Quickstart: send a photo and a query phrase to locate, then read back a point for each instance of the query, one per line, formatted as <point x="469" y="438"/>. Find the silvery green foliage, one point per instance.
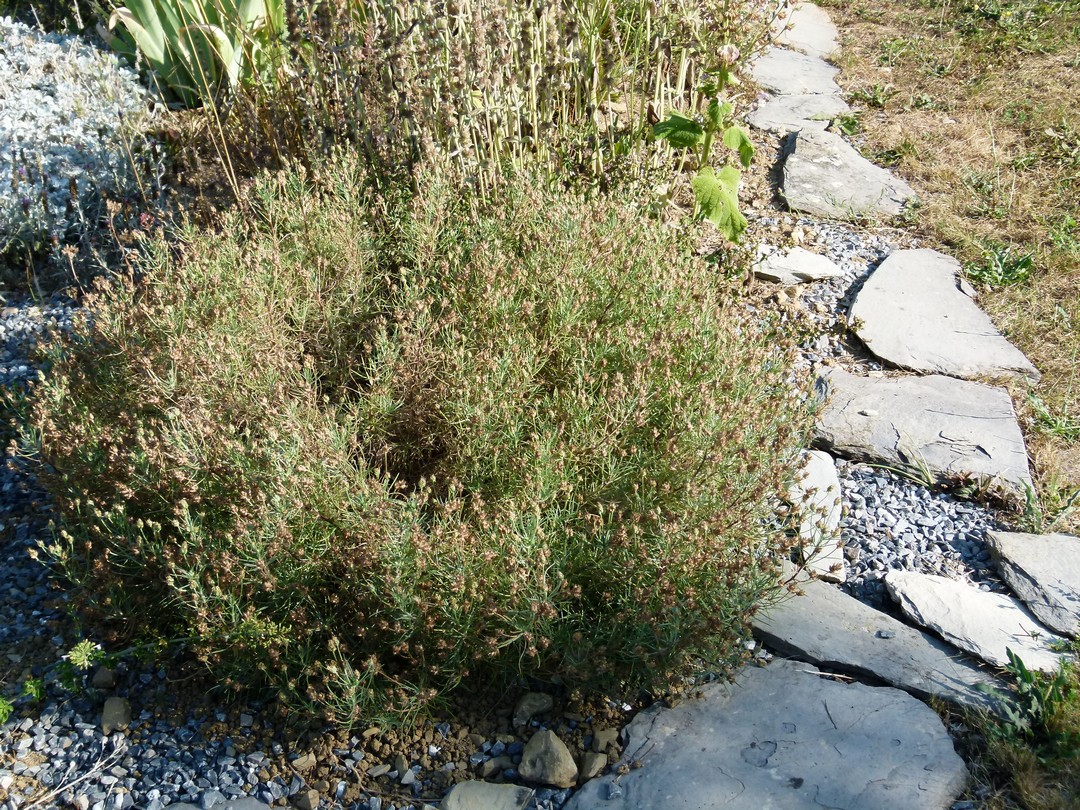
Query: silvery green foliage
<point x="71" y="123"/>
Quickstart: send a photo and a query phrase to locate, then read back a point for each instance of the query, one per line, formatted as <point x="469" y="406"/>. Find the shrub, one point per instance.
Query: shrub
<point x="71" y="124"/>
<point x="358" y="448"/>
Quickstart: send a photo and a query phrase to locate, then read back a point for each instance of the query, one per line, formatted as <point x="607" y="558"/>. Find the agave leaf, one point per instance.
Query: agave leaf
<point x="214" y="52"/>
<point x="718" y="198"/>
<point x="148" y="40"/>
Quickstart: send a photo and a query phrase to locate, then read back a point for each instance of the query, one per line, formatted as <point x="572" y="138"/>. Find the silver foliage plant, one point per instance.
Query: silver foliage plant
<point x="72" y="120"/>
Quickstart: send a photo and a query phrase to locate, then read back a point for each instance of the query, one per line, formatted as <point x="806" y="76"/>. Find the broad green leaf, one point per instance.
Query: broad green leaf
<point x="718" y="198"/>
<point x="679" y="131"/>
<point x="737" y="138"/>
<point x="717" y="113"/>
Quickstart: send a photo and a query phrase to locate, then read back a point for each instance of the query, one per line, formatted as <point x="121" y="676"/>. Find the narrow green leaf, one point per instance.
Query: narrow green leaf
<point x="679" y="131"/>
<point x="738" y="139"/>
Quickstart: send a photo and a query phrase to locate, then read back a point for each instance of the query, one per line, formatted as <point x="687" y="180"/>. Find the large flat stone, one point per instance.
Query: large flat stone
<point x="826" y="177"/>
<point x="785" y="114"/>
<point x="912" y="313"/>
<point x="789" y="73"/>
<point x="808" y="29"/>
<point x="796" y="266"/>
<point x="815" y="495"/>
<point x="951" y="428"/>
<point x="783" y="737"/>
<point x="831" y="629"/>
<point x="981" y="623"/>
<point x="1044" y="571"/>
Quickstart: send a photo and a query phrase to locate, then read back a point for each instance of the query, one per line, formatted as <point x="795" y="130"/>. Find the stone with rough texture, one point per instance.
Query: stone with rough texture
<point x="826" y="177"/>
<point x="307" y="800"/>
<point x="1044" y="571"/>
<point x="794" y="74"/>
<point x="981" y="623"/>
<point x="784" y="737"/>
<point x="547" y="760"/>
<point x="808" y="29"/>
<point x="531" y="704"/>
<point x="815" y="494"/>
<point x="796" y="266"/>
<point x="485" y="796"/>
<point x="246" y="803"/>
<point x="786" y="114"/>
<point x="828" y="628"/>
<point x="946" y="427"/>
<point x="912" y="313"/>
<point x="116" y="715"/>
<point x="592" y="765"/>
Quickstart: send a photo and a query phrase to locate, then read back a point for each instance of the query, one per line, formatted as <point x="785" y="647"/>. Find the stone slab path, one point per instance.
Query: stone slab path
<point x="984" y="624"/>
<point x="791" y="73"/>
<point x="950" y="428"/>
<point x="1044" y="571"/>
<point x="782" y="736"/>
<point x="826" y="177"/>
<point x="826" y="626"/>
<point x="914" y="313"/>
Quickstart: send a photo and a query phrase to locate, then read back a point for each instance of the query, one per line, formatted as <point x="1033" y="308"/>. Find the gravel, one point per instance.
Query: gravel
<point x="70" y="115"/>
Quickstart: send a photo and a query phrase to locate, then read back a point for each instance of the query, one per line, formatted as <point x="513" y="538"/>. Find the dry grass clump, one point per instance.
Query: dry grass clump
<point x="975" y="103"/>
<point x="359" y="447"/>
<point x="572" y="86"/>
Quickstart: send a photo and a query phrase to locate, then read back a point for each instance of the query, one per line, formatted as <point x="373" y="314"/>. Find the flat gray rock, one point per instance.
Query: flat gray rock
<point x="809" y="30"/>
<point x="831" y="629"/>
<point x="780" y="737"/>
<point x="1044" y="571"/>
<point x="912" y="313"/>
<point x="978" y="622"/>
<point x="796" y="266"/>
<point x="246" y="803"/>
<point x="791" y="74"/>
<point x="826" y="177"/>
<point x="785" y="114"/>
<point x="485" y="796"/>
<point x="815" y="495"/>
<point x="950" y="428"/>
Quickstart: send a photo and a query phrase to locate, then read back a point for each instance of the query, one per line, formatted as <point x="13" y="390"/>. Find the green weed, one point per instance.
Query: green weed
<point x="1002" y="266"/>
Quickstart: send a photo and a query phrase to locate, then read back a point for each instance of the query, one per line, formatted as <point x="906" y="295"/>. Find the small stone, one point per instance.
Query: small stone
<point x="547" y="760"/>
<point x="116" y="716"/>
<point x="796" y="266"/>
<point x="531" y="704"/>
<point x="379" y="770"/>
<point x="307" y="800"/>
<point x="103" y="678"/>
<point x="305" y="762"/>
<point x="592" y="765"/>
<point x="604" y="739"/>
<point x="485" y="796"/>
<point x="401" y="764"/>
<point x="495" y="765"/>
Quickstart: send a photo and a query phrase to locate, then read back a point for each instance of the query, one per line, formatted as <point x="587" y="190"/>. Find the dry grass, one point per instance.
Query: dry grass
<point x="975" y="104"/>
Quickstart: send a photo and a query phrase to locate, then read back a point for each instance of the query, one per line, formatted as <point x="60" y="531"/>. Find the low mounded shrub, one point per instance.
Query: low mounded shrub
<point x="71" y="137"/>
<point x="359" y="449"/>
